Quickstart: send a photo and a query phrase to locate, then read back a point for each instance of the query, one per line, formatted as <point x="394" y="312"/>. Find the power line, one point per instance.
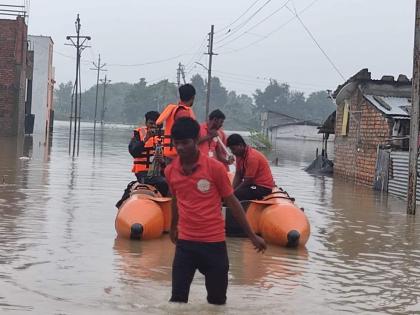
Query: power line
<point x="149" y="62"/>
<point x="159" y="60"/>
<point x="319" y="46"/>
<point x="70" y="57"/>
<point x="265" y="79"/>
<point x="270" y="33"/>
<point x="235" y="30"/>
<point x="238" y="18"/>
<point x="255" y="25"/>
<point x="196" y="54"/>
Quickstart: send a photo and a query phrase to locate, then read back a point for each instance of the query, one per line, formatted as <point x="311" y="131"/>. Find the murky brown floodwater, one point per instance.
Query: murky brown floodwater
<point x="59" y="255"/>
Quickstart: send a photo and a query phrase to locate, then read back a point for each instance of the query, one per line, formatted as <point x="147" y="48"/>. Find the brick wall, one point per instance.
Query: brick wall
<point x="13" y="48"/>
<point x="355" y="154"/>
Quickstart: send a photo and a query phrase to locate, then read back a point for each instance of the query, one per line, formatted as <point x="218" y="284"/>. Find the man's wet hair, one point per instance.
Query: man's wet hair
<point x="185" y="128"/>
<point x="186" y="92"/>
<point x="217" y="114"/>
<point x="152" y="115"/>
<point x="235" y="139"/>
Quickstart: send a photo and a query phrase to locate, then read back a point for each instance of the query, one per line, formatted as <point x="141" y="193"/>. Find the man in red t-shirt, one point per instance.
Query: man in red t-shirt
<point x="198" y="184"/>
<point x="211" y="134"/>
<point x="253" y="178"/>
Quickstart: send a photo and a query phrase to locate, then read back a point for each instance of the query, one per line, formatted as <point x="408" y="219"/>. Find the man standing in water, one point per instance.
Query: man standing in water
<point x="198" y="183"/>
<point x="253" y="178"/>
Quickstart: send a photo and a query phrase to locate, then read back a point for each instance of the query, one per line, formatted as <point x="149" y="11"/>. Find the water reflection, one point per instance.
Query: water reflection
<point x="144" y="261"/>
<point x="370" y="247"/>
<point x="278" y="266"/>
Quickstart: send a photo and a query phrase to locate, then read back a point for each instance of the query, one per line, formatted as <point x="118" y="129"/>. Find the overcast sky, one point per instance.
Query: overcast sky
<point x="355" y="34"/>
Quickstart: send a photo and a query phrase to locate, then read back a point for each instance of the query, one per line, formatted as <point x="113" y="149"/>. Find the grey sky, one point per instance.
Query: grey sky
<point x="377" y="34"/>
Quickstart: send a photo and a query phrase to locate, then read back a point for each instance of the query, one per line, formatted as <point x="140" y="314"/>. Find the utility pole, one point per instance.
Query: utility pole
<point x="79" y="45"/>
<point x="183" y="73"/>
<point x="414" y="120"/>
<point x="97" y="67"/>
<point x="178" y="75"/>
<point x="180" y="72"/>
<point x="210" y="53"/>
<point x="105" y="82"/>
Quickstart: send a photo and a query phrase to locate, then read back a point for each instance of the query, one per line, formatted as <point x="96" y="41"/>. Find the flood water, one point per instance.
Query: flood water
<point x="59" y="253"/>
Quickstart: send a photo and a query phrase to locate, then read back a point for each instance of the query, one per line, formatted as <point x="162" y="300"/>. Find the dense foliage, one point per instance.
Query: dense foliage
<point x="127" y="103"/>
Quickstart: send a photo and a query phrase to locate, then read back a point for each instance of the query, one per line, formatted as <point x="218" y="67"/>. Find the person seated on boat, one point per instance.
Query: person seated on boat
<point x="171" y="113"/>
<point x="148" y="161"/>
<point x="212" y="140"/>
<point x="253" y="178"/>
<point x="198" y="185"/>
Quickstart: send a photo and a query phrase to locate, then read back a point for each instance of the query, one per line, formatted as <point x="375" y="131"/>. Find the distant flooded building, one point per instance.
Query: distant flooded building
<point x="276" y="125"/>
<point x="15" y="74"/>
<point x="372" y="115"/>
<point x="43" y="83"/>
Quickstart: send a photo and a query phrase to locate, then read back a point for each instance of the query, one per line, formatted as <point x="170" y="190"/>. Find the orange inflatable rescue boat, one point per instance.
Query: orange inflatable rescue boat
<point x="144" y="215"/>
<point x="276" y="218"/>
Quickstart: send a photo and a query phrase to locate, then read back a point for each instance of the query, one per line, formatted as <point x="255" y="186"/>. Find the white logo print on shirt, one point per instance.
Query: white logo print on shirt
<point x="203" y="185"/>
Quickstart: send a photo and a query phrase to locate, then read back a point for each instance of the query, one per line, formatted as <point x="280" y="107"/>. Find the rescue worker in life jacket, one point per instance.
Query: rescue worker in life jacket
<point x="174" y="111"/>
<point x="142" y="149"/>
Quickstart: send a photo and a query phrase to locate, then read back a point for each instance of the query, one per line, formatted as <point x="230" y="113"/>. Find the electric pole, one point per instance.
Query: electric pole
<point x="414" y="120"/>
<point x="78" y="42"/>
<point x="183" y="73"/>
<point x="178" y="75"/>
<point x="105" y="81"/>
<point x="97" y="67"/>
<point x="210" y="53"/>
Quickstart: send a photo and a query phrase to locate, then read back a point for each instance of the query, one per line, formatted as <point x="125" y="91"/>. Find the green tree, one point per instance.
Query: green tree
<point x="142" y="98"/>
<point x="320" y="105"/>
<point x="200" y="97"/>
<point x="127" y="103"/>
<point x="275" y="97"/>
<point x="62" y="100"/>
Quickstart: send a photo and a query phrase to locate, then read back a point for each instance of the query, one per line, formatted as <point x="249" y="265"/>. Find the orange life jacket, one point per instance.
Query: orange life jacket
<point x="168" y="116"/>
<point x="143" y="162"/>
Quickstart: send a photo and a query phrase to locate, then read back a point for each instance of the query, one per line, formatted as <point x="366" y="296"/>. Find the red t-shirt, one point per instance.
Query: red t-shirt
<point x="255" y="165"/>
<point x="199" y="198"/>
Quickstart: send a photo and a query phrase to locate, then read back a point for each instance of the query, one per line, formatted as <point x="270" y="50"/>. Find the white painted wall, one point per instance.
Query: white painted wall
<point x="43" y="82"/>
<point x="301" y="132"/>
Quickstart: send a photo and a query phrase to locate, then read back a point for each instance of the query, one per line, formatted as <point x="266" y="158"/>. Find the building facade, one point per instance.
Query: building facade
<point x="14" y="71"/>
<point x="280" y="126"/>
<point x="371" y="115"/>
<point x="43" y="83"/>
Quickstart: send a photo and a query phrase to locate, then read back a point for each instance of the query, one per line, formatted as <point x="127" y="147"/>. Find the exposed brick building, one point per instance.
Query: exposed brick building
<point x="13" y="75"/>
<point x="370" y="114"/>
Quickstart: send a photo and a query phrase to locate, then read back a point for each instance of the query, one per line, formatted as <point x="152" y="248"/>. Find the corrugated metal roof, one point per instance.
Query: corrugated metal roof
<point x="391" y="105"/>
